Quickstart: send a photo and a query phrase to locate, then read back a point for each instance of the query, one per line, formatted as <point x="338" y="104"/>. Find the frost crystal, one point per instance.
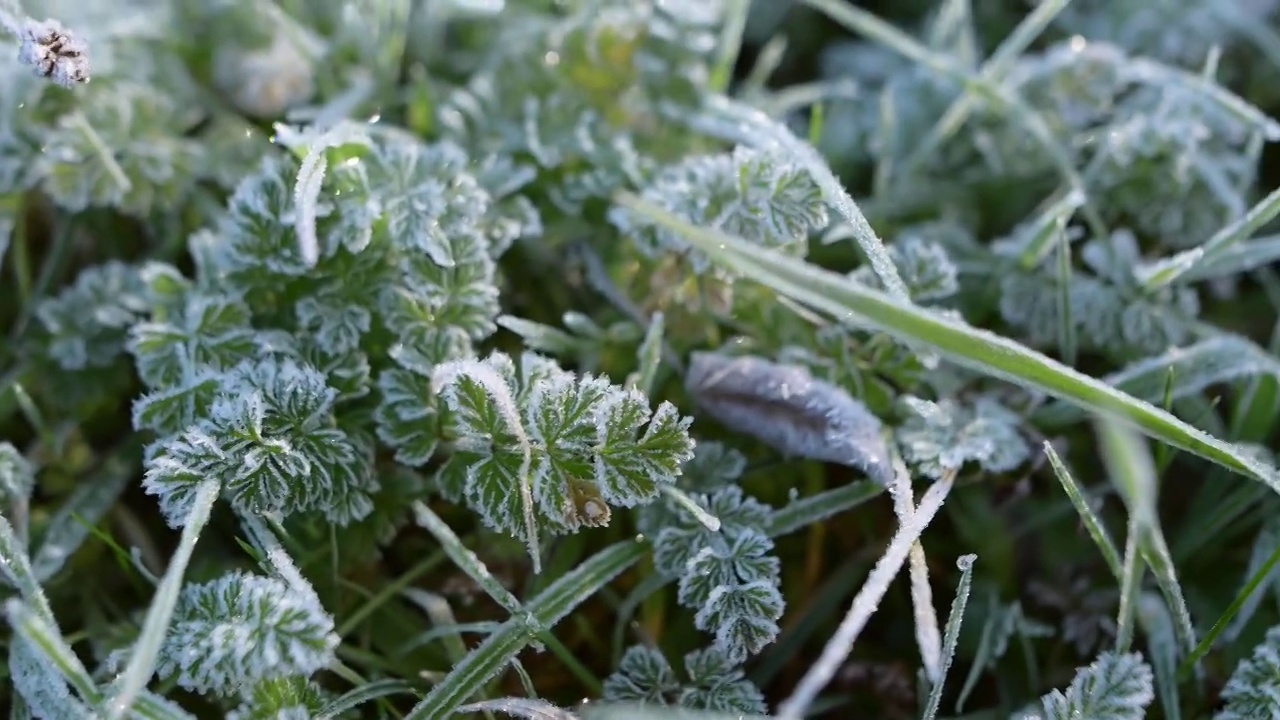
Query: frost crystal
<point x="786" y="407"/>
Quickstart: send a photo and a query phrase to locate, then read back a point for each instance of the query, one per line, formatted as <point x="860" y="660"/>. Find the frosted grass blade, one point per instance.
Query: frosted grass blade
<point x="971" y="347"/>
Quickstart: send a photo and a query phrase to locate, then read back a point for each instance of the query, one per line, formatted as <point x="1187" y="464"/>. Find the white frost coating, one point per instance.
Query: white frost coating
<point x="493" y="383"/>
<point x="868" y="598"/>
<point x="786" y="407"/>
<point x="305" y="195"/>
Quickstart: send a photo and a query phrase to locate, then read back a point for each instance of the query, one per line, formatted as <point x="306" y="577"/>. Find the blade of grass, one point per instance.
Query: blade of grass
<point x="1131" y="467"/>
<point x="1092" y="523"/>
<point x="971" y="347"/>
<point x="993" y="71"/>
<point x="1162" y="648"/>
<point x="868" y="598"/>
<point x="951" y="636"/>
<point x="862" y="22"/>
<point x="142" y="662"/>
<point x="1169" y="270"/>
<point x="1206" y="643"/>
<point x="539" y="614"/>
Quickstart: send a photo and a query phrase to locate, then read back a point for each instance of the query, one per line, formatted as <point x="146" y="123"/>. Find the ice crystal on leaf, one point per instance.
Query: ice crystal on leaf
<point x="573" y="446"/>
<point x="712" y="682"/>
<point x="939" y="438"/>
<point x="234" y="633"/>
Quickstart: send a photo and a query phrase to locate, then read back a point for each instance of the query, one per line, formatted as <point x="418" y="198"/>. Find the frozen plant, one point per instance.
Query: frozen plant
<point x="712" y="683"/>
<point x="537" y="448"/>
<point x="1252" y="690"/>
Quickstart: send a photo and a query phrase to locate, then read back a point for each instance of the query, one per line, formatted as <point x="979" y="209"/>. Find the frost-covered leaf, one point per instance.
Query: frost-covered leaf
<point x="282" y="698"/>
<point x="256" y="236"/>
<point x="717" y="684"/>
<point x="241" y="630"/>
<point x="406" y="417"/>
<point x="925" y="266"/>
<point x="88" y="321"/>
<point x="729" y="577"/>
<point x="124" y="147"/>
<point x="759" y="197"/>
<point x="1114" y="687"/>
<point x="786" y="407"/>
<point x="1254" y="688"/>
<point x="41" y="685"/>
<point x="207" y="331"/>
<point x="643" y="676"/>
<point x="17" y="475"/>
<point x="939" y="438"/>
<point x="711" y="682"/>
<point x="269" y="437"/>
<point x="590" y="444"/>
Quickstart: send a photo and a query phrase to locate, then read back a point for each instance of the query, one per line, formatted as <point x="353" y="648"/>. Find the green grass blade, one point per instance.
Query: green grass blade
<point x="1206" y="643"/>
<point x="142" y="662"/>
<point x="541" y="613"/>
<point x="1092" y="523"/>
<point x="951" y="636"/>
<point x="971" y="347"/>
